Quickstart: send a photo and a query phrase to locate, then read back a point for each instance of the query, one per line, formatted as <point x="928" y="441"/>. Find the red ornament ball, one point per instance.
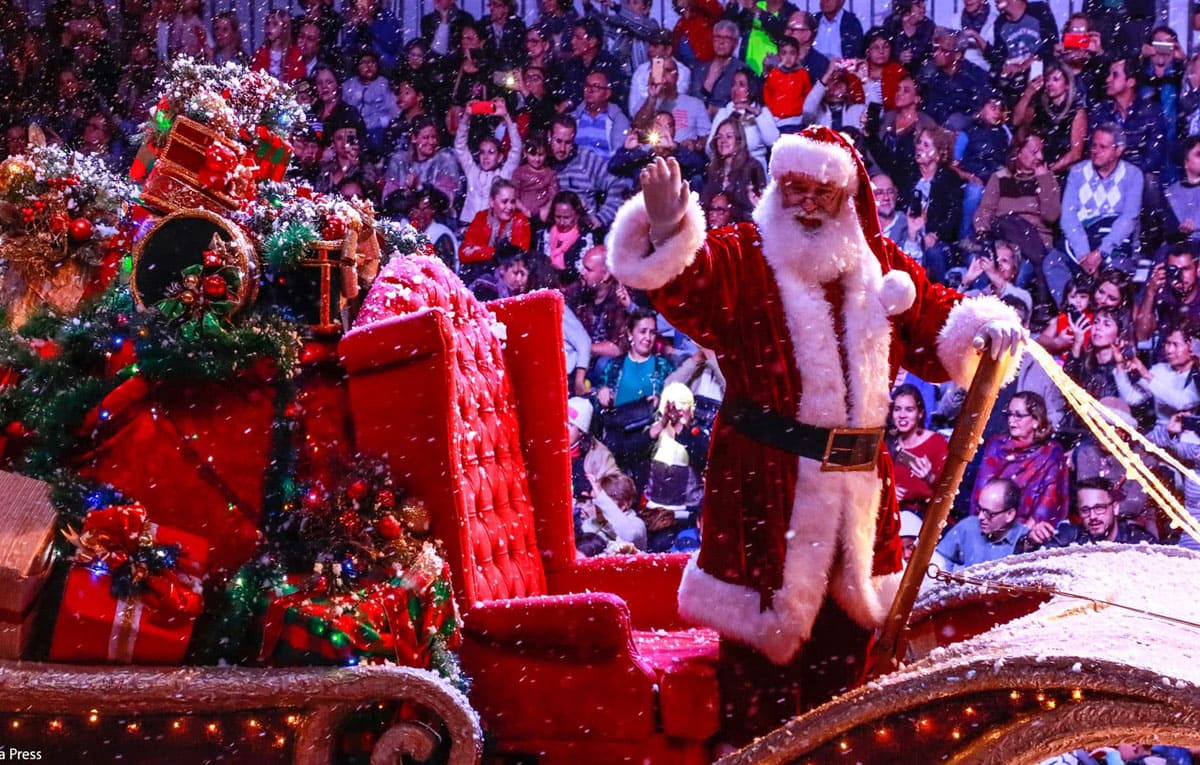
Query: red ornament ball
<point x="215" y="287"/>
<point x="212" y="259"/>
<point x="335" y="228"/>
<point x="388" y="527"/>
<point x="59" y="222"/>
<point x="16" y="429"/>
<point x="357" y="490"/>
<point x="81" y="230"/>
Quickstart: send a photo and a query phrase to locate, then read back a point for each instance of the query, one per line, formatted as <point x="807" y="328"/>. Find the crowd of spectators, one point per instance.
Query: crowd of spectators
<point x="1053" y="162"/>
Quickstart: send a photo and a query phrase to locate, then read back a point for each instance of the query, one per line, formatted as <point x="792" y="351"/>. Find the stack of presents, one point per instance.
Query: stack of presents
<point x="180" y="483"/>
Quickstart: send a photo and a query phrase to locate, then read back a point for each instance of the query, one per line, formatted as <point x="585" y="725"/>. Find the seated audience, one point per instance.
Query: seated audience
<point x="1096" y="505"/>
<point x="917" y="452"/>
<point x="992" y="533"/>
<point x="1027" y="455"/>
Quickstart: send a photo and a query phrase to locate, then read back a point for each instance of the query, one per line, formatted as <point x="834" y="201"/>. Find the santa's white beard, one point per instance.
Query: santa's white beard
<point x="815" y="255"/>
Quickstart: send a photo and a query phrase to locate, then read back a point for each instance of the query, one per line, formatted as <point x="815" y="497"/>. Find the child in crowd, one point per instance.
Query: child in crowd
<point x="981" y="150"/>
<point x="786" y="87"/>
<point x="1076" y="316"/>
<point x="673" y="491"/>
<point x="279" y="56"/>
<point x="537" y="183"/>
<point x="371" y="94"/>
<point x="610" y="514"/>
<point x="510" y="276"/>
<point x="482" y="173"/>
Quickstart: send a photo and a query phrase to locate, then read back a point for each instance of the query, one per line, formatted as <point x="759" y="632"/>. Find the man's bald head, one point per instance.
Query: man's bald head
<point x="594" y="268"/>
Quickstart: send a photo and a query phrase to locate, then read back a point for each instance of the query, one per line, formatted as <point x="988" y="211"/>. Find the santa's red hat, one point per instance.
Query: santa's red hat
<point x="826" y="155"/>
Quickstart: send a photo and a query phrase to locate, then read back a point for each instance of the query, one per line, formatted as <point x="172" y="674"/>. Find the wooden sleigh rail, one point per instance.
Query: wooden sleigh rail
<point x="317" y="701"/>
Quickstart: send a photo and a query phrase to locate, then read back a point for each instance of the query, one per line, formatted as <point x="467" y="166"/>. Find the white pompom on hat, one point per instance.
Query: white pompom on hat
<point x="579" y="413"/>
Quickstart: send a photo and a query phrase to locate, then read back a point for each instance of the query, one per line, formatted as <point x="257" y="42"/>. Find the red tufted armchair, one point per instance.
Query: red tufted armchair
<point x="579" y="661"/>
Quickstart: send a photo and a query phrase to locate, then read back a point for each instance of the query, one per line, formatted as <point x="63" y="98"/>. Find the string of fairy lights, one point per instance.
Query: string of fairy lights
<point x="1118" y="438"/>
<point x="274" y="730"/>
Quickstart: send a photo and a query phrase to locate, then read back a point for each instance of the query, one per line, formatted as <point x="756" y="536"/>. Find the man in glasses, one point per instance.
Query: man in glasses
<point x="993" y="533"/>
<point x="1096" y="503"/>
<point x="809" y="311"/>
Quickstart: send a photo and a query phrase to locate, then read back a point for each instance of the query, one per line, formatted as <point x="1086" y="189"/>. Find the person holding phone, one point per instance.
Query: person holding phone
<point x="1052" y="107"/>
<point x="919" y="453"/>
<point x="1171" y="382"/>
<point x="1163" y="62"/>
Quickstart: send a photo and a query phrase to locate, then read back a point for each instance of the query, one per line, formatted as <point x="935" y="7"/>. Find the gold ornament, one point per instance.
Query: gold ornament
<point x="15" y="171"/>
<point x="414" y="516"/>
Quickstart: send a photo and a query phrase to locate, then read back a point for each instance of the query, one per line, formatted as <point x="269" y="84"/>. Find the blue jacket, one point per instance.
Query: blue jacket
<point x="1145" y="131"/>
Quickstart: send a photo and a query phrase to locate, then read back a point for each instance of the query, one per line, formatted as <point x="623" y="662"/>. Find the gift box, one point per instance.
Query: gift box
<point x="196" y="455"/>
<point x="27" y="520"/>
<point x="271" y="154"/>
<point x="194" y="168"/>
<point x="399" y="620"/>
<point x="133" y="593"/>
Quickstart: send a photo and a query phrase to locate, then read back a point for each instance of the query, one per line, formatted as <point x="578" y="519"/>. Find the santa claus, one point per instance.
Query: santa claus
<point x="810" y="312"/>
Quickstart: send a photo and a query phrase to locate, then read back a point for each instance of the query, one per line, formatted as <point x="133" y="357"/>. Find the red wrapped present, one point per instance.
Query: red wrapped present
<point x="195" y="168"/>
<point x="399" y="620"/>
<point x="271" y="154"/>
<point x="26" y="532"/>
<point x="195" y="454"/>
<point x="134" y="592"/>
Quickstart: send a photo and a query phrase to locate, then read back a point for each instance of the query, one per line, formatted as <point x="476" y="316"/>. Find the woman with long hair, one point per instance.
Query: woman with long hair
<point x="732" y="169"/>
<point x="227" y="39"/>
<point x="428" y="161"/>
<point x="555" y="261"/>
<point x="500" y="222"/>
<point x="1103" y="360"/>
<point x="279" y="56"/>
<point x="758" y="124"/>
<point x="918" y="453"/>
<point x="1052" y="106"/>
<point x="1027" y="455"/>
<point x="328" y="111"/>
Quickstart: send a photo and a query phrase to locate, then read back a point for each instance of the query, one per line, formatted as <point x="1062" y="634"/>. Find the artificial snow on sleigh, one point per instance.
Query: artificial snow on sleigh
<point x="1076" y="648"/>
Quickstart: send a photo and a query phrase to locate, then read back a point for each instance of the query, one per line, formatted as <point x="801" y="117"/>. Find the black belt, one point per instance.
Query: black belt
<point x="837" y="449"/>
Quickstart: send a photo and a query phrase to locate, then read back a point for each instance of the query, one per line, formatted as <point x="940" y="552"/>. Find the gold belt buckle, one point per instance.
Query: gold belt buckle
<point x="858" y="457"/>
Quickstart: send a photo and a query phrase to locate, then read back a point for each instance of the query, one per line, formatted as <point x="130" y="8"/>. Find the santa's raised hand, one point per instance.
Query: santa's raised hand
<point x="666" y="196"/>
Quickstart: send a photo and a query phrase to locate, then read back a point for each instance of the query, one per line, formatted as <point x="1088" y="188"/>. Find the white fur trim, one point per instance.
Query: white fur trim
<point x="827" y="162"/>
<point x="632" y="260"/>
<point x="956" y="341"/>
<point x="830" y="511"/>
<point x="897" y="292"/>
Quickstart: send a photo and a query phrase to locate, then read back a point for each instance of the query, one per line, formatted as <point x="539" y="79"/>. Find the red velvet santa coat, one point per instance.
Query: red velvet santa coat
<point x="778" y="534"/>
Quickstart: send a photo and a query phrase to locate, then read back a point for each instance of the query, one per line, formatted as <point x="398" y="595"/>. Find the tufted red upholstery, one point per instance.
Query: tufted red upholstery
<point x="465" y="410"/>
<point x="598" y="673"/>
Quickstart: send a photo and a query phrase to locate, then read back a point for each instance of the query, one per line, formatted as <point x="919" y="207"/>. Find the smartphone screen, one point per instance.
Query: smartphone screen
<point x="1035" y="69"/>
<point x="656" y="69"/>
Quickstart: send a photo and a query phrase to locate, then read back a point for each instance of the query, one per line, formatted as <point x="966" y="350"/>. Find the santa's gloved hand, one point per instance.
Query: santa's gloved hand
<point x="665" y="194"/>
<point x="1001" y="337"/>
